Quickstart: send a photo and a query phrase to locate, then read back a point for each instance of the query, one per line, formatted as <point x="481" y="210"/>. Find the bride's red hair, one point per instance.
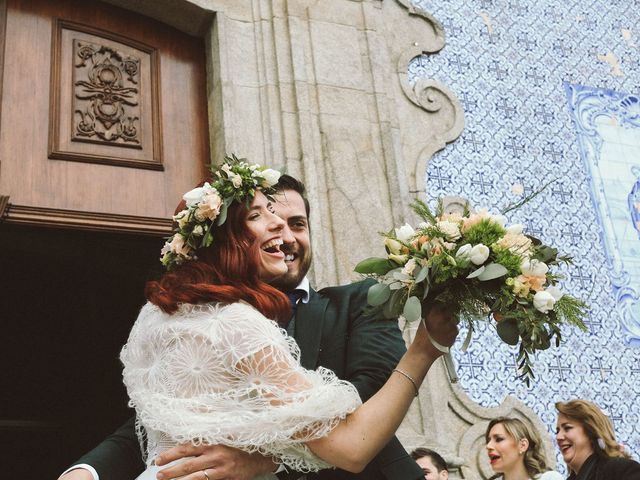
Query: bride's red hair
<point x="225" y="272"/>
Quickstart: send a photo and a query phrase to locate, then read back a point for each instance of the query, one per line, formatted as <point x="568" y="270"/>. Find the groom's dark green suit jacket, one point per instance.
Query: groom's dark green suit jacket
<point x="332" y="331"/>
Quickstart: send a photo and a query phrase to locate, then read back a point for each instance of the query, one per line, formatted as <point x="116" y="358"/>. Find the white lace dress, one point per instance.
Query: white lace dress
<point x="225" y="374"/>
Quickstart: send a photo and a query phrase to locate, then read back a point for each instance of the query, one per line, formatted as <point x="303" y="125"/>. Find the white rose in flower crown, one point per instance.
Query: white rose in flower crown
<point x="534" y="268"/>
<point x="543" y="301"/>
<point x="515" y="229"/>
<point x="192" y="197"/>
<point x="181" y="218"/>
<point x="450" y="229"/>
<point x="270" y="178"/>
<point x="479" y="254"/>
<point x="209" y="206"/>
<point x="405" y="232"/>
<point x="235" y="179"/>
<point x="198" y="231"/>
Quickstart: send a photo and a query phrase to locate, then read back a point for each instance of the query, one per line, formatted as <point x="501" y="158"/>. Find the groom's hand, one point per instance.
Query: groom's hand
<point x="219" y="461"/>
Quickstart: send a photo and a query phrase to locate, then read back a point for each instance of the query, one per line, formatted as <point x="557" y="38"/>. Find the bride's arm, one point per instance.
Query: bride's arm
<point x="355" y="440"/>
<point x="359" y="437"/>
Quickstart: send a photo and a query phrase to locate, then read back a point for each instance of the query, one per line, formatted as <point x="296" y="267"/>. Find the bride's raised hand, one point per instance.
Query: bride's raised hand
<point x="439" y="325"/>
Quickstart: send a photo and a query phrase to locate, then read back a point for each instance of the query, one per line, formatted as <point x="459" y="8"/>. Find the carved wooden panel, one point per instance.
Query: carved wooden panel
<point x="84" y="89"/>
<point x="104" y="92"/>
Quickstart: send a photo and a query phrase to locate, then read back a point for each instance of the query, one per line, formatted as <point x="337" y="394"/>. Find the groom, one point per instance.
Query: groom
<point x="331" y="330"/>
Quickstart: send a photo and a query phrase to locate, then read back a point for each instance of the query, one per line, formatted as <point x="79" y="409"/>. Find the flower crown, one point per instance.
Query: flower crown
<point x="233" y="180"/>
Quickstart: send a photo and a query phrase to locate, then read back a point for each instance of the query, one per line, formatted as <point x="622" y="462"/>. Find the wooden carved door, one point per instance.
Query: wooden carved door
<point x="103" y="125"/>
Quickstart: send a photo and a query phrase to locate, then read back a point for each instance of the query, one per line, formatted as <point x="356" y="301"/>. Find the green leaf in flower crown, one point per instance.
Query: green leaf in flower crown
<point x="422" y="274"/>
<point x="378" y="294"/>
<point x="508" y="331"/>
<point x="412" y="310"/>
<point x="477" y="272"/>
<point x="222" y="216"/>
<point x="374" y="265"/>
<point x="393" y="308"/>
<point x="491" y="271"/>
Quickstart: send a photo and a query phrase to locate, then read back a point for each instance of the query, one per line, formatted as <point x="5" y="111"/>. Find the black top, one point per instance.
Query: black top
<point x="603" y="468"/>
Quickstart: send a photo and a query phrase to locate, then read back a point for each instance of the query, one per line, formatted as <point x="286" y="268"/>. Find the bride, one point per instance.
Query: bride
<point x="207" y="362"/>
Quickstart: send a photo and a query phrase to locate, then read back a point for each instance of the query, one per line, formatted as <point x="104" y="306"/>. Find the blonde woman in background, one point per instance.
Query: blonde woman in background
<point x="515" y="451"/>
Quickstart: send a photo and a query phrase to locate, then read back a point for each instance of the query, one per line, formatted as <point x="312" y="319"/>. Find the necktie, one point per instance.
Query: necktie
<point x="294" y="298"/>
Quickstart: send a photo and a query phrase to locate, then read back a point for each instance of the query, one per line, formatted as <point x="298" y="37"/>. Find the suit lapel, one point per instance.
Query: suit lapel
<point x="308" y="330"/>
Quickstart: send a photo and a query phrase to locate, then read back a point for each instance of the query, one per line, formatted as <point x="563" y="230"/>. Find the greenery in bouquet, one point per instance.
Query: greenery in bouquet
<point x="479" y="268"/>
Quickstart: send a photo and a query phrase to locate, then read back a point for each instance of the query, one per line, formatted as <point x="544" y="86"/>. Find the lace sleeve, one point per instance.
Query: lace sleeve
<point x="227" y="375"/>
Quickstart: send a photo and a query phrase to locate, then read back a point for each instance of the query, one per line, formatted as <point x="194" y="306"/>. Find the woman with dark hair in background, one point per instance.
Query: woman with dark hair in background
<point x="515" y="451"/>
<point x="588" y="444"/>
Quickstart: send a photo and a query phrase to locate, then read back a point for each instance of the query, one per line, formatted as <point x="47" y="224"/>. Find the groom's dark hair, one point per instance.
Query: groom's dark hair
<point x="287" y="182"/>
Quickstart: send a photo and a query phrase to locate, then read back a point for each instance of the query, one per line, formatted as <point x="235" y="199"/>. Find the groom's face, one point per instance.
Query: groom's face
<point x="290" y="207"/>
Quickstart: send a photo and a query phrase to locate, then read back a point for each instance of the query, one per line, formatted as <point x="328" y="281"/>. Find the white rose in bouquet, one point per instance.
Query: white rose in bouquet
<point x="450" y="229"/>
<point x="515" y="229"/>
<point x="555" y="292"/>
<point x="543" y="301"/>
<point x="534" y="268"/>
<point x="463" y="251"/>
<point x="405" y="232"/>
<point x="479" y="254"/>
<point x="393" y="245"/>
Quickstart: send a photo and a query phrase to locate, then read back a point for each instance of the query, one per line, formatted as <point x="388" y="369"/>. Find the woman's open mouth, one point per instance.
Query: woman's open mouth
<point x="272" y="247"/>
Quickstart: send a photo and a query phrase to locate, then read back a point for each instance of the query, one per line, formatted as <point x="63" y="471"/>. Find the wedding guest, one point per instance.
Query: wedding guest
<point x="588" y="444"/>
<point x="433" y="465"/>
<point x="515" y="451"/>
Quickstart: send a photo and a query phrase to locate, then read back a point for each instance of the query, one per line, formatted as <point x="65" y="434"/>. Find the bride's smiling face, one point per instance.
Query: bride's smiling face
<point x="268" y="230"/>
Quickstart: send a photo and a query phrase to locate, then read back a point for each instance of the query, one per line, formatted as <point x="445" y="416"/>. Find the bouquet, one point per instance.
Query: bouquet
<point x="479" y="268"/>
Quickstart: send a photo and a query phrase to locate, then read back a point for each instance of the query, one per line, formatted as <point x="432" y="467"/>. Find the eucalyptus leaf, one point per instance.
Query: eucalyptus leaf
<point x="412" y="310"/>
<point x="491" y="271"/>
<point x="393" y="308"/>
<point x="426" y="291"/>
<point x="477" y="272"/>
<point x="374" y="265"/>
<point x="422" y="274"/>
<point x="508" y="331"/>
<point x="378" y="294"/>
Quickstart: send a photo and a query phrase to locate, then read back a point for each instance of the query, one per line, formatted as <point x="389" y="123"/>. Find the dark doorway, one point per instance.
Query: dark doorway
<point x="67" y="301"/>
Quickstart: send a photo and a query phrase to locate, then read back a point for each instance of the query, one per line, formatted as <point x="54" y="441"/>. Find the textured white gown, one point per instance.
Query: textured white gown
<point x="225" y="374"/>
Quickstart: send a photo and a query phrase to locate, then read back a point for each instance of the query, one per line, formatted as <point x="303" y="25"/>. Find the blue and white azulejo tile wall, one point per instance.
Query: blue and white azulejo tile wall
<point x="523" y="70"/>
